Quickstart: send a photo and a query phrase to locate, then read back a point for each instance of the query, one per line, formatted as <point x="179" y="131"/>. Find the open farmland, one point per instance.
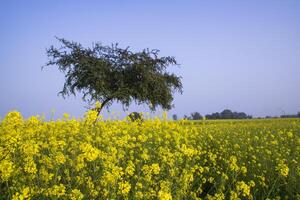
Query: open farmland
<point x="154" y="159"/>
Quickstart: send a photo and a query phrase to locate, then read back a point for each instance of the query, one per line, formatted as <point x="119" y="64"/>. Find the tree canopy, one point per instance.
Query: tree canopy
<point x="196" y="116"/>
<point x="193" y="116"/>
<point x="110" y="73"/>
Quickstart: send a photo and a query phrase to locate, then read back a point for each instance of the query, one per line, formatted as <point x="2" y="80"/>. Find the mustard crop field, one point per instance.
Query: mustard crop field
<point x="153" y="159"/>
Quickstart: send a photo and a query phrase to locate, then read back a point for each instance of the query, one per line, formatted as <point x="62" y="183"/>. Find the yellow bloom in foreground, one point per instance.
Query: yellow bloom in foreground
<point x="290" y="134"/>
<point x="164" y="195"/>
<point x="26" y="192"/>
<point x="217" y="196"/>
<point x="155" y="168"/>
<point x="130" y="168"/>
<point x="6" y="169"/>
<point x="57" y="190"/>
<point x="76" y="195"/>
<point x="244" y="169"/>
<point x="155" y="159"/>
<point x="234" y="196"/>
<point x="45" y="175"/>
<point x="124" y="188"/>
<point x="91" y="116"/>
<point x="283" y="169"/>
<point x="30" y="166"/>
<point x="89" y="152"/>
<point x="233" y="166"/>
<point x="60" y="158"/>
<point x="242" y="187"/>
<point x="24" y="195"/>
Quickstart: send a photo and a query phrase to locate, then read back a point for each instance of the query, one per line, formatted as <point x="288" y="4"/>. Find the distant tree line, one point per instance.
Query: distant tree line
<point x="291" y="116"/>
<point x="194" y="116"/>
<point x="225" y="114"/>
<point x="228" y="114"/>
<point x="285" y="116"/>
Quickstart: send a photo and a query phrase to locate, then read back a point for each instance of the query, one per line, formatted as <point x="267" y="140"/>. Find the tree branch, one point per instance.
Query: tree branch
<point x="102" y="105"/>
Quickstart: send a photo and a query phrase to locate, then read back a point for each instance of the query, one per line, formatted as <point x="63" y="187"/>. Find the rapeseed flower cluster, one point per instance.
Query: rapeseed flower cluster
<point x="154" y="159"/>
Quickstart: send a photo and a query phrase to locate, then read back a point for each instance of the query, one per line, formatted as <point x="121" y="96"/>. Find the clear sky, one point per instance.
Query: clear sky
<point x="241" y="55"/>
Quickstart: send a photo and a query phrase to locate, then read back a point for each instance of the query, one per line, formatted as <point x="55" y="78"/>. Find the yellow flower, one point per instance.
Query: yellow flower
<point x="76" y="195"/>
<point x="164" y="195"/>
<point x="130" y="168"/>
<point x="283" y="169"/>
<point x="89" y="152"/>
<point x="188" y="151"/>
<point x="124" y="188"/>
<point x="290" y="134"/>
<point x="57" y="190"/>
<point x="30" y="166"/>
<point x="217" y="196"/>
<point x="145" y="155"/>
<point x="155" y="168"/>
<point x="90" y="117"/>
<point x="233" y="163"/>
<point x="244" y="169"/>
<point x="139" y="185"/>
<point x="13" y="119"/>
<point x="155" y="159"/>
<point x="165" y="115"/>
<point x="60" y="158"/>
<point x="210" y="179"/>
<point x="25" y="194"/>
<point x="45" y="175"/>
<point x="242" y="187"/>
<point x="30" y="148"/>
<point x="66" y="116"/>
<point x="6" y="169"/>
<point x="98" y="104"/>
<point x="234" y="196"/>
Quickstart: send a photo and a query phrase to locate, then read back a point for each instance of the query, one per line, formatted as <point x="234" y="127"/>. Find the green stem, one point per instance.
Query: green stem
<point x="272" y="188"/>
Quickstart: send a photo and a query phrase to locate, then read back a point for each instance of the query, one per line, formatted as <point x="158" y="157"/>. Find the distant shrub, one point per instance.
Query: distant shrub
<point x="134" y="116"/>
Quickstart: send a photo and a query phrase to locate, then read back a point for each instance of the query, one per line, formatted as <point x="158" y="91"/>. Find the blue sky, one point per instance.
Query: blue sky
<point x="241" y="55"/>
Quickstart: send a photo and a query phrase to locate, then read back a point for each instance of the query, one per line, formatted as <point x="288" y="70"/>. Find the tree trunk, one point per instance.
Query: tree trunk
<point x="102" y="105"/>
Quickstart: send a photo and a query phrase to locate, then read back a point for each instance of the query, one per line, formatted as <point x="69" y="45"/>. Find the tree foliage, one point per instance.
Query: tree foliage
<point x="193" y="116"/>
<point x="196" y="116"/>
<point x="174" y="116"/>
<point x="110" y="73"/>
<point x="134" y="116"/>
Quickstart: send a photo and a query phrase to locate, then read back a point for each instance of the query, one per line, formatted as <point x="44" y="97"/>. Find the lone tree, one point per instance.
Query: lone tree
<point x="109" y="73"/>
<point x="196" y="116"/>
<point x="175" y="117"/>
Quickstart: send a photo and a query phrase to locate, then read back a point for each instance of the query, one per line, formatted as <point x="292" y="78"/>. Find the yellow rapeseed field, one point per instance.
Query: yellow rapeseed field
<point x="154" y="159"/>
